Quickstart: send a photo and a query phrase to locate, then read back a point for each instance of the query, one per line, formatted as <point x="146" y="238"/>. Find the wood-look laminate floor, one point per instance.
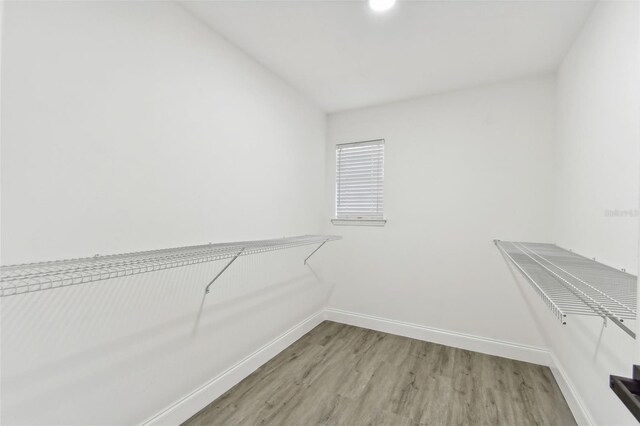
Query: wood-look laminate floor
<point x="343" y="375"/>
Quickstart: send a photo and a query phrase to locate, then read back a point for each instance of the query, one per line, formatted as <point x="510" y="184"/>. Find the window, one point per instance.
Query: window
<point x="360" y="183"/>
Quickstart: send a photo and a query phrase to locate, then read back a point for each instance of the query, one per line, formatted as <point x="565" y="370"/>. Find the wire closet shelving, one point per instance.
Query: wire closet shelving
<point x="571" y="284"/>
<point x="33" y="277"/>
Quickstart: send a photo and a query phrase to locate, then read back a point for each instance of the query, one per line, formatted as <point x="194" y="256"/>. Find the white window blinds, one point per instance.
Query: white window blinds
<point x="360" y="181"/>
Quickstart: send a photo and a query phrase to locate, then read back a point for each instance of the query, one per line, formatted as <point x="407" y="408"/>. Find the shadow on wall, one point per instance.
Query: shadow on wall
<point x="126" y="333"/>
<point x="590" y="333"/>
<point x="587" y="352"/>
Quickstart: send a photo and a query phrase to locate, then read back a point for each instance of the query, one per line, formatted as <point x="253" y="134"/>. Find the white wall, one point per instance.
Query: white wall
<point x="131" y="126"/>
<point x="1" y="26"/>
<point x="597" y="146"/>
<point x="597" y="151"/>
<point x="461" y="169"/>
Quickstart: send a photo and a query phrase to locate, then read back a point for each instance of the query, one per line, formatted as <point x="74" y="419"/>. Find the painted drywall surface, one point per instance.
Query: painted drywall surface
<point x="461" y="169"/>
<point x="131" y="126"/>
<point x="598" y="134"/>
<point x="1" y="25"/>
<point x="134" y="128"/>
<point x="597" y="148"/>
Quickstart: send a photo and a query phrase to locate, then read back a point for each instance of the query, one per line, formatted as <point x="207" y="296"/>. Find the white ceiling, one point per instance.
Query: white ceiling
<point x="343" y="55"/>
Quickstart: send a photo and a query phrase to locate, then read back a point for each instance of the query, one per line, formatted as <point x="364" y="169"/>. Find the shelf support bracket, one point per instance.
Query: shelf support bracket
<point x="207" y="290"/>
<point x="313" y="252"/>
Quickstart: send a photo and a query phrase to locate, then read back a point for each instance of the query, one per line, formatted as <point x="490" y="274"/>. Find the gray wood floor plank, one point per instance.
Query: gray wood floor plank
<point x="343" y="375"/>
<point x="435" y="402"/>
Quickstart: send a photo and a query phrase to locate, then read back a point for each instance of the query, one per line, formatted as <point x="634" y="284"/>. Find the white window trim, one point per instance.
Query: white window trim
<point x="359" y="222"/>
<point x="354" y="221"/>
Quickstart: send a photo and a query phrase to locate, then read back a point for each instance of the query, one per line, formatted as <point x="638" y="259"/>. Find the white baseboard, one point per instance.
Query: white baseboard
<point x="473" y="343"/>
<point x="574" y="401"/>
<point x="190" y="404"/>
<point x="449" y="338"/>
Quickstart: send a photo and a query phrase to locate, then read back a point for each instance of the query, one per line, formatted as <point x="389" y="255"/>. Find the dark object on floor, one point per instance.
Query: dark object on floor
<point x="628" y="390"/>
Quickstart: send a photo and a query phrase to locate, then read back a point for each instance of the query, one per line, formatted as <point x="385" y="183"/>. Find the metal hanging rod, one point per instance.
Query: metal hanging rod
<point x="572" y="284"/>
<point x="32" y="277"/>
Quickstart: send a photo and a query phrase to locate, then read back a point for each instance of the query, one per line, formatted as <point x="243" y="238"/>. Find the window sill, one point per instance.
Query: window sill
<point x="359" y="222"/>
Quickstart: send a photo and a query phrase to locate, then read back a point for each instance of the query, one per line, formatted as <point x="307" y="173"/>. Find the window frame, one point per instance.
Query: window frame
<point x="355" y="221"/>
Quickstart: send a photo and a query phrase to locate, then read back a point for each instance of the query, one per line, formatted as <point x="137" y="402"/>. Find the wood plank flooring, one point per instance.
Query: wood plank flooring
<point x="342" y="375"/>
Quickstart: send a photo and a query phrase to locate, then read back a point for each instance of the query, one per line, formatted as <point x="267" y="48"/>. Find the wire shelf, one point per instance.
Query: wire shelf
<point x="32" y="277"/>
<point x="571" y="284"/>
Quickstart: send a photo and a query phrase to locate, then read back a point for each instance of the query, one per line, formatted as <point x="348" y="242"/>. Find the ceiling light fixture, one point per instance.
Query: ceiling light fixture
<point x="381" y="5"/>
